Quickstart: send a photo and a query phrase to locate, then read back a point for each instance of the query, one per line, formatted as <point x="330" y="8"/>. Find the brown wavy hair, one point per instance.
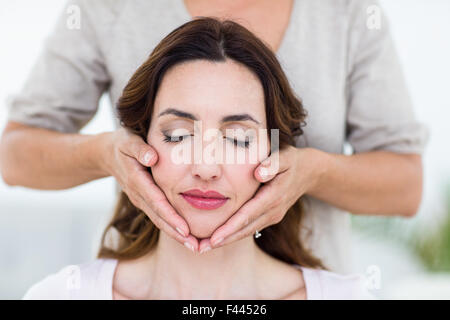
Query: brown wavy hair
<point x="213" y="40"/>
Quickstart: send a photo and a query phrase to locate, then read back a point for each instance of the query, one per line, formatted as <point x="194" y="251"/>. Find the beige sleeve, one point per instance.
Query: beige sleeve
<point x="380" y="114"/>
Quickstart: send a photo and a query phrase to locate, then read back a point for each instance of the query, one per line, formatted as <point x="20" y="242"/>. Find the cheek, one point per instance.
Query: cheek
<point x="164" y="172"/>
<point x="161" y="173"/>
<point x="241" y="177"/>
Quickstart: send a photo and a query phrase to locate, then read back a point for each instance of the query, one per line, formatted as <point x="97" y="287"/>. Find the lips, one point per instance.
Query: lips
<point x="208" y="200"/>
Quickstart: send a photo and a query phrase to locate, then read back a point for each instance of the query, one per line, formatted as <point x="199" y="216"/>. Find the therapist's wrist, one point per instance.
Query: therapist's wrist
<point x="101" y="147"/>
<point x="320" y="162"/>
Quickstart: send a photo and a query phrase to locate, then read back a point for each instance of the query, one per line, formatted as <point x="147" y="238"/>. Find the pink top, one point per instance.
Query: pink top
<point x="94" y="281"/>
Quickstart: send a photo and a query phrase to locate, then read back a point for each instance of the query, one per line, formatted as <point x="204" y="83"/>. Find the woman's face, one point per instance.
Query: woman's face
<point x="201" y="97"/>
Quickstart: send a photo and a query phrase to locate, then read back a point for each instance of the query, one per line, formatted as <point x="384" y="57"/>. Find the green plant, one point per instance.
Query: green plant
<point x="434" y="250"/>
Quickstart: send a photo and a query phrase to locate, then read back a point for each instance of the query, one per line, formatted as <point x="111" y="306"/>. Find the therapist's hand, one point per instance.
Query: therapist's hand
<point x="126" y="157"/>
<point x="298" y="171"/>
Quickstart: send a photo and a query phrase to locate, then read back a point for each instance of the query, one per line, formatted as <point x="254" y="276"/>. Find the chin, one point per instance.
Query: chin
<point x="201" y="234"/>
<point x="202" y="230"/>
<point x="203" y="225"/>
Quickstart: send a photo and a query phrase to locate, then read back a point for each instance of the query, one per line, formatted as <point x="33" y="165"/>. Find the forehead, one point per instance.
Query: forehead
<point x="211" y="89"/>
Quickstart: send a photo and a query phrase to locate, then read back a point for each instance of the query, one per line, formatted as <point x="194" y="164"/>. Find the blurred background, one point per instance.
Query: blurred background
<point x="42" y="231"/>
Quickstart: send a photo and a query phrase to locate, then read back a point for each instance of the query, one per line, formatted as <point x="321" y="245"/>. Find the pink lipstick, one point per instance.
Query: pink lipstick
<point x="208" y="200"/>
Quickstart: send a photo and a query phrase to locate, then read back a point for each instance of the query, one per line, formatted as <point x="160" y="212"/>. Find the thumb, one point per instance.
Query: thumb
<point x="147" y="155"/>
<point x="262" y="172"/>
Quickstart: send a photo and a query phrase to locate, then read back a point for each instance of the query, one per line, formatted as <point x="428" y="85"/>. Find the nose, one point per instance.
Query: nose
<point x="206" y="169"/>
<point x="206" y="172"/>
<point x="205" y="165"/>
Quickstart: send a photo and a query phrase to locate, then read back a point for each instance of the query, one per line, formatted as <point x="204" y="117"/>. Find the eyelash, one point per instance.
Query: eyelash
<point x="173" y="139"/>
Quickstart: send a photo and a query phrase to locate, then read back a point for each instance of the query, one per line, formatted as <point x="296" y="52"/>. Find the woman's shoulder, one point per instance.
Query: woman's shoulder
<point x="90" y="280"/>
<point x="327" y="285"/>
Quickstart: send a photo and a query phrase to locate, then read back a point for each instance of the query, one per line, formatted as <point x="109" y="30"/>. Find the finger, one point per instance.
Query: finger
<point x="147" y="156"/>
<point x="262" y="174"/>
<point x="249" y="212"/>
<point x="271" y="166"/>
<point x="155" y="198"/>
<point x="204" y="245"/>
<point x="141" y="151"/>
<point x="259" y="224"/>
<point x="168" y="229"/>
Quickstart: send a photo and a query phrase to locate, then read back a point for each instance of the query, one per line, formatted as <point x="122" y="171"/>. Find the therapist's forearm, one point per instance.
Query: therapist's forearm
<point x="45" y="159"/>
<point x="372" y="183"/>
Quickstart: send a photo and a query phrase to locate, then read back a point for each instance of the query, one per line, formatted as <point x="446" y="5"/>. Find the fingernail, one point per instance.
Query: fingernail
<point x="147" y="156"/>
<point x="189" y="246"/>
<point x="205" y="249"/>
<point x="181" y="232"/>
<point x="264" y="173"/>
<point x="218" y="241"/>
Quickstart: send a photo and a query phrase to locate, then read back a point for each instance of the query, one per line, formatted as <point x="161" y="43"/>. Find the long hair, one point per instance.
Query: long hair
<point x="210" y="39"/>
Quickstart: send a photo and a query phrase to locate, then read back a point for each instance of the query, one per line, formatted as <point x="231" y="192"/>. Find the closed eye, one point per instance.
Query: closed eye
<point x="240" y="143"/>
<point x="236" y="142"/>
<point x="168" y="138"/>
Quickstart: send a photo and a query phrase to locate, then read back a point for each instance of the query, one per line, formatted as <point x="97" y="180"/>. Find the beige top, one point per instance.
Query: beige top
<point x="347" y="75"/>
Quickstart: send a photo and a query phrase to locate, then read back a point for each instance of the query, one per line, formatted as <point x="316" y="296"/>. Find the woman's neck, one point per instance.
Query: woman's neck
<point x="171" y="271"/>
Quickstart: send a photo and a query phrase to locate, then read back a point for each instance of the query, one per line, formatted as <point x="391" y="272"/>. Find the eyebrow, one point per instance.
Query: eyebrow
<point x="190" y="116"/>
